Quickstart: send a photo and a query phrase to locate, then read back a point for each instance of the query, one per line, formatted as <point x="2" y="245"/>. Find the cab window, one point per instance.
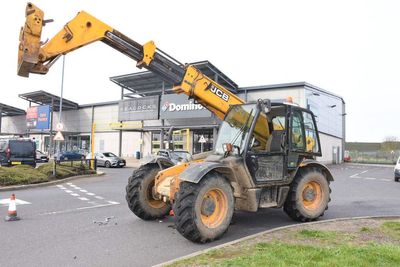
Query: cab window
<point x="311" y="133"/>
<point x="297" y="134"/>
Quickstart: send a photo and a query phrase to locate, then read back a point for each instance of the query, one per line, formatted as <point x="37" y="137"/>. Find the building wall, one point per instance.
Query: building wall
<point x="130" y="143"/>
<point x="106" y="142"/>
<point x="13" y="124"/>
<point x="298" y="95"/>
<point x="328" y="144"/>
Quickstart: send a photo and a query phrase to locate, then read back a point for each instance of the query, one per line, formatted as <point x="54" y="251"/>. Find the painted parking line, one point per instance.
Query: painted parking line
<point x="357" y="176"/>
<point x="78" y="209"/>
<point x="91" y="198"/>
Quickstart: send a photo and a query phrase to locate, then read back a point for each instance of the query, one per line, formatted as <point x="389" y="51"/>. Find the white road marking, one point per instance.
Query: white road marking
<point x="354" y="175"/>
<point x="77" y="209"/>
<point x="74" y="194"/>
<point x="6" y="202"/>
<point x="369" y="178"/>
<point x="386" y="180"/>
<point x="363" y="172"/>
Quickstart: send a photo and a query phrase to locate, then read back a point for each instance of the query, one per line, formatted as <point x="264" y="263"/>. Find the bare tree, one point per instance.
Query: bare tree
<point x="390" y="145"/>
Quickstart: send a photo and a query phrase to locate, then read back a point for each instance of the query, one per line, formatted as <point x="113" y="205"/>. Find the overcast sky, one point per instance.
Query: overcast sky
<point x="351" y="48"/>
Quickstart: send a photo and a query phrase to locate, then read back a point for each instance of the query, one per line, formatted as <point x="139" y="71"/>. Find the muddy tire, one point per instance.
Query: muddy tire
<point x="204" y="211"/>
<point x="139" y="194"/>
<point x="309" y="195"/>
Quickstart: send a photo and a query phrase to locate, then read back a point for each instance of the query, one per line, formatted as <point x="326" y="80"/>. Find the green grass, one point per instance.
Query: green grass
<point x="365" y="229"/>
<point x="23" y="174"/>
<point x="392" y="228"/>
<point x="327" y="235"/>
<point x="369" y="246"/>
<point x="280" y="254"/>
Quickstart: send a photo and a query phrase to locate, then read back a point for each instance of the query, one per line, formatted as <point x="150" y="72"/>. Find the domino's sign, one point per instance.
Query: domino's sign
<point x="180" y="107"/>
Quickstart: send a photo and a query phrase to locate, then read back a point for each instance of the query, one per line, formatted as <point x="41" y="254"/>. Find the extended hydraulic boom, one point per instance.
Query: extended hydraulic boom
<point x="36" y="57"/>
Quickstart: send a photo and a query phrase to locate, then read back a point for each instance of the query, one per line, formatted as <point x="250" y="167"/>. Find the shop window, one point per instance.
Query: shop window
<point x="199" y="147"/>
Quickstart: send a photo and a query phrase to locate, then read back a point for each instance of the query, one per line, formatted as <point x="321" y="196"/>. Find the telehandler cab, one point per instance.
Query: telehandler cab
<point x="264" y="155"/>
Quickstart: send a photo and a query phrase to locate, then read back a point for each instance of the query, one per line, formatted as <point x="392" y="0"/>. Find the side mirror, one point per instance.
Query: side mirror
<point x="267" y="106"/>
<point x="227" y="147"/>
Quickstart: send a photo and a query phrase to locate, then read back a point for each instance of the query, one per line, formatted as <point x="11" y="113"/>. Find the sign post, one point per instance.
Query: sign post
<point x="92" y="162"/>
<point x="202" y="140"/>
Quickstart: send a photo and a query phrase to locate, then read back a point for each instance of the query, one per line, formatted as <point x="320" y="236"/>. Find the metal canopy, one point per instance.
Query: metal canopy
<point x="45" y="98"/>
<point x="6" y="110"/>
<point x="147" y="83"/>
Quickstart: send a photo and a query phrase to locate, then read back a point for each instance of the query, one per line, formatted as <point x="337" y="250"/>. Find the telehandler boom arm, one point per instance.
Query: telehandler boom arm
<point x="84" y="29"/>
<point x="37" y="57"/>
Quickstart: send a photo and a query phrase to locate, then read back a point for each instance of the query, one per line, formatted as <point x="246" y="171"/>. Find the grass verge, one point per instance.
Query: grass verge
<point x="366" y="243"/>
<point x="23" y="174"/>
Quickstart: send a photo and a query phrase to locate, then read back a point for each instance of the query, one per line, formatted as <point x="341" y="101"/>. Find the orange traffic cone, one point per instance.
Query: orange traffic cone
<point x="12" y="210"/>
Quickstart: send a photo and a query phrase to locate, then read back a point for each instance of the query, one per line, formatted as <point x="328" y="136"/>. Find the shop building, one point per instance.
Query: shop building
<point x="141" y="119"/>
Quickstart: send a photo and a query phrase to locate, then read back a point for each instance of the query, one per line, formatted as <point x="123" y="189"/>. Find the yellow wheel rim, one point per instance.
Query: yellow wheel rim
<point x="156" y="204"/>
<point x="312" y="195"/>
<point x="214" y="208"/>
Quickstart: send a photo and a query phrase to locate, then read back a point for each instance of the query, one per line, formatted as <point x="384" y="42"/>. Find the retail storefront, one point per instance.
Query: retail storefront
<point x="149" y="110"/>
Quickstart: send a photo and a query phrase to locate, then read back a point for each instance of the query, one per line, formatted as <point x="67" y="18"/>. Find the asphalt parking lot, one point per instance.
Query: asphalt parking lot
<point x="87" y="222"/>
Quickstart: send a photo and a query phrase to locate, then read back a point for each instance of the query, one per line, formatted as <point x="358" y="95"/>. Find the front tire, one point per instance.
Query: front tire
<point x="308" y="196"/>
<point x="139" y="194"/>
<point x="396" y="179"/>
<point x="107" y="164"/>
<point x="204" y="211"/>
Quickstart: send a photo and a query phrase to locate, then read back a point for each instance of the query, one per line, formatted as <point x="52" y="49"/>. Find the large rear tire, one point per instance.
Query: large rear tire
<point x="139" y="194"/>
<point x="204" y="211"/>
<point x="309" y="195"/>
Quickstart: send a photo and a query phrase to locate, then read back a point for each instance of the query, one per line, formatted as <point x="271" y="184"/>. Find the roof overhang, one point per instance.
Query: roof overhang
<point x="6" y="110"/>
<point x="44" y="98"/>
<point x="147" y="83"/>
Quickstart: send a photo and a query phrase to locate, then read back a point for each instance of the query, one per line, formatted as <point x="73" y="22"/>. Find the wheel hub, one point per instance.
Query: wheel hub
<point x="214" y="207"/>
<point x="208" y="206"/>
<point x="312" y="195"/>
<point x="309" y="194"/>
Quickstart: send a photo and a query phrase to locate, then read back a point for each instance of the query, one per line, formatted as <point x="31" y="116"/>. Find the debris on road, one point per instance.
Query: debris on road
<point x="105" y="222"/>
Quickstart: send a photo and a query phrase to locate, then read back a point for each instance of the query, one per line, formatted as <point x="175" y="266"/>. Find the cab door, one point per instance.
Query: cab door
<point x="303" y="136"/>
<point x="267" y="164"/>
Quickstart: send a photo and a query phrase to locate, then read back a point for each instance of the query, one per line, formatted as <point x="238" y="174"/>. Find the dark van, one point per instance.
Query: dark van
<point x="17" y="152"/>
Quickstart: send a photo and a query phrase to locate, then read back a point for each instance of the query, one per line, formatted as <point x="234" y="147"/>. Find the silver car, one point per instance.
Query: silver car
<point x="107" y="159"/>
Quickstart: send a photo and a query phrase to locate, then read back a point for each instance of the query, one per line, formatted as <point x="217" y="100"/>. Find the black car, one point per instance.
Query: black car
<point x="17" y="151"/>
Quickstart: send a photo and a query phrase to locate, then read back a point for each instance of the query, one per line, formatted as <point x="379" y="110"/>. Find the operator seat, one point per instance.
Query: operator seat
<point x="274" y="143"/>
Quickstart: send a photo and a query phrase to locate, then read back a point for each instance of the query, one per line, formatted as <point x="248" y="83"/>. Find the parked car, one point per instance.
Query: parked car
<point x="70" y="155"/>
<point x="41" y="156"/>
<point x="17" y="151"/>
<point x="107" y="159"/>
<point x="397" y="171"/>
<point x="175" y="155"/>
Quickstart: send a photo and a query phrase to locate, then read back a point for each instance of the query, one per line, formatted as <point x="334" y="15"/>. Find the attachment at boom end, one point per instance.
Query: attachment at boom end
<point x="29" y="42"/>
